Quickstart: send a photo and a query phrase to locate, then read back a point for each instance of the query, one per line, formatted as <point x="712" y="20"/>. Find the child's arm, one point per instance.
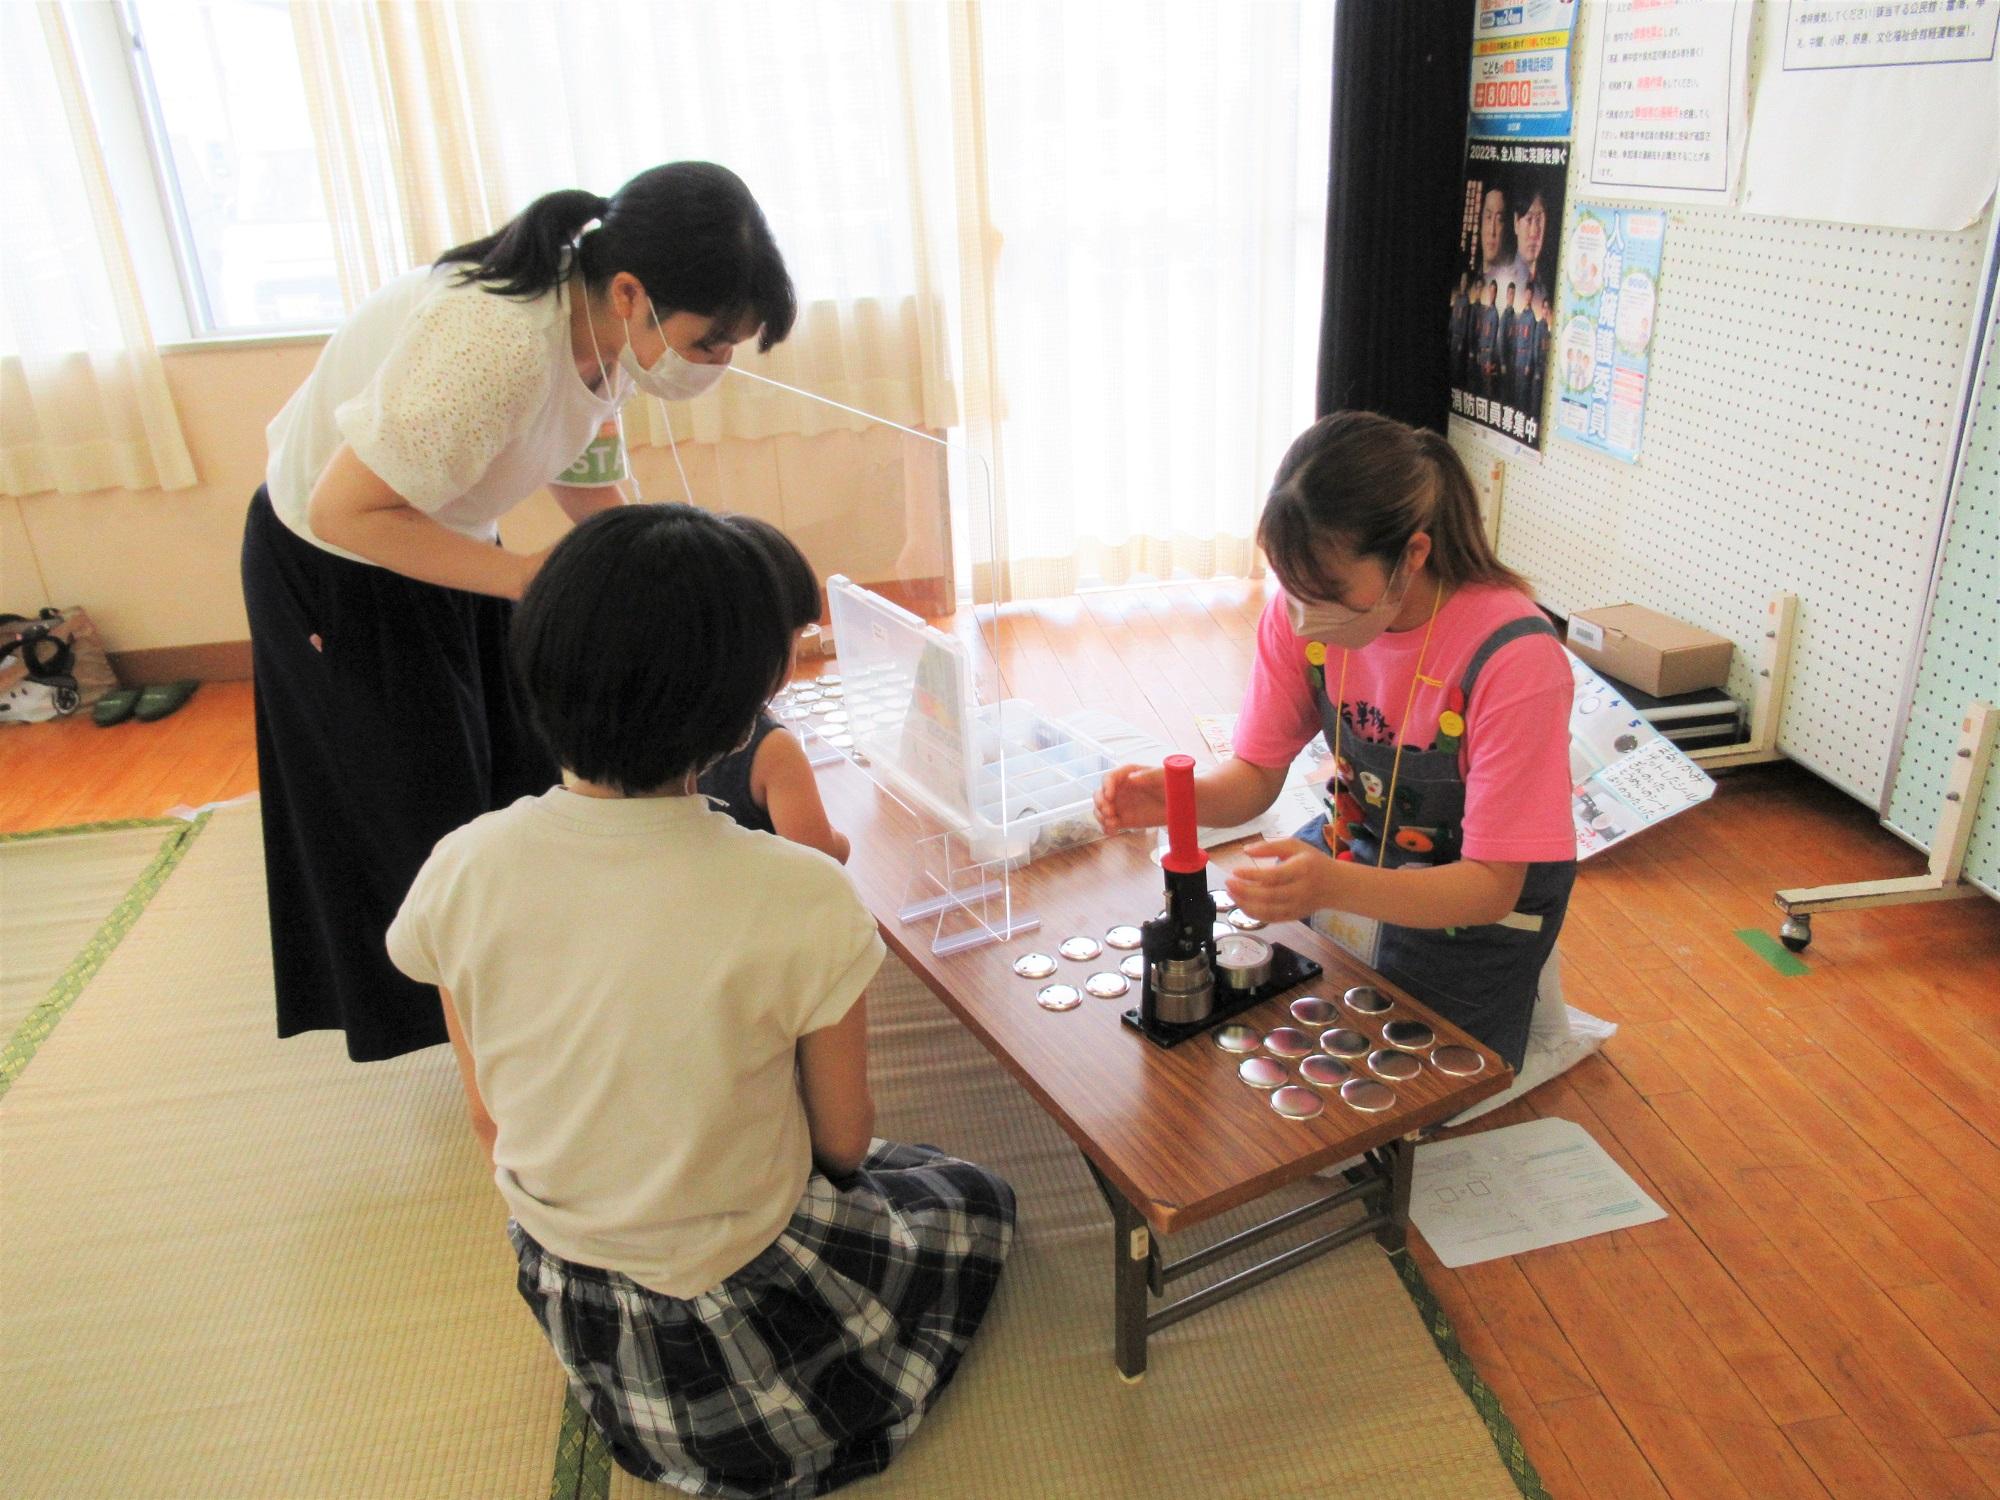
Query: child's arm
<point x="1299" y="880"/>
<point x="482" y="1122"/>
<point x="833" y="1080"/>
<point x="781" y="782"/>
<point x="1234" y="792"/>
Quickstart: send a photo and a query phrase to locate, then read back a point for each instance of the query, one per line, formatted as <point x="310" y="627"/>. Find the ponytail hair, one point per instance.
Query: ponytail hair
<point x="529" y="255"/>
<point x="1368" y="484"/>
<point x="689" y="231"/>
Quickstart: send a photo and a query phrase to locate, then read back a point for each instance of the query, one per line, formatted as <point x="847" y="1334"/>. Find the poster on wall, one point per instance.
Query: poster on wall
<point x="1670" y="102"/>
<point x="1610" y="293"/>
<point x="1520" y="69"/>
<point x="1502" y="313"/>
<point x="1884" y="114"/>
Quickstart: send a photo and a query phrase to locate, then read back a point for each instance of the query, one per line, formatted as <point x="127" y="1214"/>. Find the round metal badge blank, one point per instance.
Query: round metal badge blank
<point x="1239" y="1039"/>
<point x="1368" y="1096"/>
<point x="1288" y="1041"/>
<point x="1107" y="986"/>
<point x="1410" y="1036"/>
<point x="1080" y="949"/>
<point x="1245" y="961"/>
<point x="1124" y="937"/>
<point x="1389" y="1063"/>
<point x="1133" y="966"/>
<point x="1460" y="1062"/>
<point x="1311" y="1010"/>
<point x="1324" y="1072"/>
<point x="1034" y="966"/>
<point x="1224" y="902"/>
<point x="1242" y="920"/>
<point x="1064" y="997"/>
<point x="1262" y="1073"/>
<point x="1295" y="1103"/>
<point x="1343" y="1042"/>
<point x="828" y="679"/>
<point x="1366" y="1000"/>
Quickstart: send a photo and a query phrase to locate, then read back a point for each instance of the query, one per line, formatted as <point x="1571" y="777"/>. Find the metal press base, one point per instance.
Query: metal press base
<point x="1141" y="1271"/>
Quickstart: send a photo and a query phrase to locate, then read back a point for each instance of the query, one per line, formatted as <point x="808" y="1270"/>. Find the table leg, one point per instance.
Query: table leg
<point x="1400" y="1158"/>
<point x="1131" y="1247"/>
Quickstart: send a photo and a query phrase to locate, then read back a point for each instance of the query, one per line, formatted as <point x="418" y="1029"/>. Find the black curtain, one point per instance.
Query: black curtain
<point x="1401" y="74"/>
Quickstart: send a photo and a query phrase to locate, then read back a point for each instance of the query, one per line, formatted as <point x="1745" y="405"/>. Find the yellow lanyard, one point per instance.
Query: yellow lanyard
<point x="1402" y="728"/>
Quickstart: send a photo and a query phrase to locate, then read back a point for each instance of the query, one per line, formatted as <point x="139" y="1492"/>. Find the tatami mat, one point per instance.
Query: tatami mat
<point x="56" y="892"/>
<point x="235" y="1267"/>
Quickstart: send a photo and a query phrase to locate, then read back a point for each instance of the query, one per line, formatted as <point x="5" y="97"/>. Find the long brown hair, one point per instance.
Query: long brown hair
<point x="1370" y="483"/>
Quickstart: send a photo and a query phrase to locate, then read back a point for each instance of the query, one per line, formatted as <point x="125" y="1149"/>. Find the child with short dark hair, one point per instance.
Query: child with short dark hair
<point x="768" y="785"/>
<point x="659" y="1022"/>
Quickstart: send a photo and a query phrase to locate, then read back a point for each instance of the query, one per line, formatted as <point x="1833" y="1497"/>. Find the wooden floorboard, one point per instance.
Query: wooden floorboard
<point x="1820" y="1315"/>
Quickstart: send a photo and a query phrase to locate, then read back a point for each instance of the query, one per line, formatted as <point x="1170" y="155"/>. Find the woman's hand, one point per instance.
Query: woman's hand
<point x="1132" y="797"/>
<point x="1297" y="881"/>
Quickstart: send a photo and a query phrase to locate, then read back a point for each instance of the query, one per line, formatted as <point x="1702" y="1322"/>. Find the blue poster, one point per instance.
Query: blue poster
<point x="1520" y="70"/>
<point x="1610" y="293"/>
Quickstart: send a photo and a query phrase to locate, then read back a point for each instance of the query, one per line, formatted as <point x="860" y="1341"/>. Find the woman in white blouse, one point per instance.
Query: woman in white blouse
<point x="378" y="593"/>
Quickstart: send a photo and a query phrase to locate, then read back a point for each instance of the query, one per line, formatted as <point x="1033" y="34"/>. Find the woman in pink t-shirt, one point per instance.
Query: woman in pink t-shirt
<point x="1445" y="697"/>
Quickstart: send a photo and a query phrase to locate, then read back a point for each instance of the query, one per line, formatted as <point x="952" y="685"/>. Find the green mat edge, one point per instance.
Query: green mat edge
<point x="36" y="1027"/>
<point x="583" y="1463"/>
<point x="114" y="825"/>
<point x="1485" y="1400"/>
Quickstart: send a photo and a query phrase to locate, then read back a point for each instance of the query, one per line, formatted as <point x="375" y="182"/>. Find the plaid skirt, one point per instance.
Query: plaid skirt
<point x="810" y="1367"/>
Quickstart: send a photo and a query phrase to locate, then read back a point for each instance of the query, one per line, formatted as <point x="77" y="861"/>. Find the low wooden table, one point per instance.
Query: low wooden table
<point x="1173" y="1137"/>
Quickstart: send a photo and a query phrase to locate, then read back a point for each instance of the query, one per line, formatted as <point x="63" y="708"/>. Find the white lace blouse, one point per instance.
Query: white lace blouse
<point x="464" y="402"/>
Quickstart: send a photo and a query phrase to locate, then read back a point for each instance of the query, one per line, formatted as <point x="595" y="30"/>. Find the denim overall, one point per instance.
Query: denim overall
<point x="1480" y="978"/>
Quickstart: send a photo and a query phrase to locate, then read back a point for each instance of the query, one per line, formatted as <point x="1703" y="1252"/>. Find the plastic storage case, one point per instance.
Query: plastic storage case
<point x="1016" y="784"/>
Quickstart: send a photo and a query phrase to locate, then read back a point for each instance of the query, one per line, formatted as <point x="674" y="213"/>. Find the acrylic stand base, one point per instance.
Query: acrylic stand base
<point x="1289" y="970"/>
<point x="968" y="901"/>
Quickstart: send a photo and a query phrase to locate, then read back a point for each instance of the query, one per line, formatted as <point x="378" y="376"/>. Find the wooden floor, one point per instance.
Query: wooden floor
<point x="1819" y="1315"/>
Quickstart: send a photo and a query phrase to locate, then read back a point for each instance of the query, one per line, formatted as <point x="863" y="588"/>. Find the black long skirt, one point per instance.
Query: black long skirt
<point x="387" y="716"/>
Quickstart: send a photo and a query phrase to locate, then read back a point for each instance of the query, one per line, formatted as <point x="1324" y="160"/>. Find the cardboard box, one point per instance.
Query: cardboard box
<point x="1652" y="652"/>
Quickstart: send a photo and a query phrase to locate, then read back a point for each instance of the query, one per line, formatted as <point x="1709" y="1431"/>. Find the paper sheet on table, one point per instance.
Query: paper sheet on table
<point x="1303" y="796"/>
<point x="1521" y="1188"/>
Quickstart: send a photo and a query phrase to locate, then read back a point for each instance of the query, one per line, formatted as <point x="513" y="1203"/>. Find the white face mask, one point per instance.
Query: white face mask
<point x="1337" y="625"/>
<point x="673" y="377"/>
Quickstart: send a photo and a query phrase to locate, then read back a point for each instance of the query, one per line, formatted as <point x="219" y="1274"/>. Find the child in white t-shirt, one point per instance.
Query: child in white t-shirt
<point x="659" y="1020"/>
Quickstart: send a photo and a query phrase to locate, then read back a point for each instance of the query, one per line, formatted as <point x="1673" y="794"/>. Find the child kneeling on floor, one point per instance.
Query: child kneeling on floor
<point x="659" y="1021"/>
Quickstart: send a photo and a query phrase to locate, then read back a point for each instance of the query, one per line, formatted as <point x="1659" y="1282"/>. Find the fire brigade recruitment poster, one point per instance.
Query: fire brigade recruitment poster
<point x="1520" y="69"/>
<point x="1611" y="280"/>
<point x="1502" y="304"/>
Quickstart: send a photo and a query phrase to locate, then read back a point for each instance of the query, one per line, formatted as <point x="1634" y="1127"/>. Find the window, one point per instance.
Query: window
<point x="217" y="87"/>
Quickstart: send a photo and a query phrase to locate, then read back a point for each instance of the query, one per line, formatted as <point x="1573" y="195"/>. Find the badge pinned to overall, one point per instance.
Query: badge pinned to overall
<point x="1451" y="730"/>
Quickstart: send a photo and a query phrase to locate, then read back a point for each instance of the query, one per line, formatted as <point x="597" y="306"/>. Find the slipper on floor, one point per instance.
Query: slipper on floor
<point x="159" y="699"/>
<point x="115" y="707"/>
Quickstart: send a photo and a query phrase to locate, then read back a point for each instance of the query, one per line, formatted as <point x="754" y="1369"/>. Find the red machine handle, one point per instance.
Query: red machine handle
<point x="1184" y="853"/>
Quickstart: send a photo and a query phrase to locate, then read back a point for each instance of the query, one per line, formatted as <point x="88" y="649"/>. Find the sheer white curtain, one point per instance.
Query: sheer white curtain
<point x="1155" y="177"/>
<point x="1087" y="237"/>
<point x="84" y="403"/>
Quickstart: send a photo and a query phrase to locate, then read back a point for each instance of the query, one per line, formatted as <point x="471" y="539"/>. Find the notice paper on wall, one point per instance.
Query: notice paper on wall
<point x="1885" y="113"/>
<point x="1520" y="69"/>
<point x="1521" y="1188"/>
<point x="1610" y="295"/>
<point x="1670" y="100"/>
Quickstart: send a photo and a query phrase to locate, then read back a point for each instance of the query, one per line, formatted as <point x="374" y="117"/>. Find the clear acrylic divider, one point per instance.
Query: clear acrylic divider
<point x="916" y="692"/>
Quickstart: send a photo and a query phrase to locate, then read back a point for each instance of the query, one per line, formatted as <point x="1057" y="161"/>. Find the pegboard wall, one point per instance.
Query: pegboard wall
<point x="1804" y="399"/>
<point x="1960" y="663"/>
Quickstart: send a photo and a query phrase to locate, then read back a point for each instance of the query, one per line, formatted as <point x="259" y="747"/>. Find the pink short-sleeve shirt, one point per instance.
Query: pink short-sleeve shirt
<point x="1515" y="753"/>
